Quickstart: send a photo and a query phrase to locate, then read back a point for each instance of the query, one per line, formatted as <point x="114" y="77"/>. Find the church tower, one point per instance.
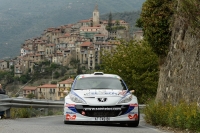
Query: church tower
<point x="96" y="16"/>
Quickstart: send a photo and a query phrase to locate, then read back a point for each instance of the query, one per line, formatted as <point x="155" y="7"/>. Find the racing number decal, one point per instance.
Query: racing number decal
<point x="135" y="116"/>
<point x="70" y="117"/>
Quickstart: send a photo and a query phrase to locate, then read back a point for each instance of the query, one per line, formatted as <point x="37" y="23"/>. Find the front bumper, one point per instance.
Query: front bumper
<point x="108" y="114"/>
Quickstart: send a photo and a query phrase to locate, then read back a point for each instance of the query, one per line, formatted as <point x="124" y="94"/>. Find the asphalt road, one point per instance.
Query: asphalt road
<point x="54" y="124"/>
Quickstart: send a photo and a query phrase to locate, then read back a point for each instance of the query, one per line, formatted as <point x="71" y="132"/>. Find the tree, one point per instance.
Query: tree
<point x="155" y="19"/>
<point x="25" y="78"/>
<point x="109" y="27"/>
<point x="30" y="96"/>
<point x="137" y="64"/>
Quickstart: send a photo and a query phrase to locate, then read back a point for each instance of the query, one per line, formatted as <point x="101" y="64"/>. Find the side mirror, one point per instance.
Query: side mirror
<point x="132" y="91"/>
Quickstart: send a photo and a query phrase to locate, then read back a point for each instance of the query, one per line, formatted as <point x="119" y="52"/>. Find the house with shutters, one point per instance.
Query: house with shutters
<point x="3" y="65"/>
<point x="29" y="90"/>
<point x="48" y="92"/>
<point x="64" y="86"/>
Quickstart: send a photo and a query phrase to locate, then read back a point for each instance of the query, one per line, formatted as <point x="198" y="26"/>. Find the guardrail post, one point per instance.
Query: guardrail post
<point x="46" y="111"/>
<point x="8" y="113"/>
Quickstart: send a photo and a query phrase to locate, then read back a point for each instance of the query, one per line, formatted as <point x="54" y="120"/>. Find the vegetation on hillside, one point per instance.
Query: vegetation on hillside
<point x="129" y="17"/>
<point x="42" y="70"/>
<point x="137" y="64"/>
<point x="155" y="20"/>
<point x="189" y="11"/>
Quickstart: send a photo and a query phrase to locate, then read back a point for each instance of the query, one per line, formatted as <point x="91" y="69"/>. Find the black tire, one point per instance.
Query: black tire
<point x="66" y="122"/>
<point x="133" y="124"/>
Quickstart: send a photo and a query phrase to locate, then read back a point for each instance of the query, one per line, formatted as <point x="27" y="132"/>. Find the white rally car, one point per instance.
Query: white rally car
<point x="102" y="98"/>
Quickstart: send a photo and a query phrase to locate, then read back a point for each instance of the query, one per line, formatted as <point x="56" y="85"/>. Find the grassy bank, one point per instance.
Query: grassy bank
<point x="181" y="116"/>
<point x="32" y="112"/>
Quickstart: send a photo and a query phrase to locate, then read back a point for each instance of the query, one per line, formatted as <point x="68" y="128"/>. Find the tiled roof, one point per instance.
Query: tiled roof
<point x="68" y="81"/>
<point x="86" y="44"/>
<point x="82" y="21"/>
<point x="48" y="86"/>
<point x="50" y="45"/>
<point x="26" y="48"/>
<point x="67" y="35"/>
<point x="1" y="61"/>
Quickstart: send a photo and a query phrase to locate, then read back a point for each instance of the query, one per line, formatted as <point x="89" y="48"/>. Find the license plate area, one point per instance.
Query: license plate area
<point x="102" y="118"/>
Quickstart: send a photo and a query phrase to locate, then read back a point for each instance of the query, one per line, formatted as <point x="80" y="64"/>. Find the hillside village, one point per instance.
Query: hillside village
<point x="81" y="41"/>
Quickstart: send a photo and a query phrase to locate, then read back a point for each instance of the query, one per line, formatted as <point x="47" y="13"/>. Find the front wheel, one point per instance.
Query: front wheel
<point x="66" y="122"/>
<point x="135" y="123"/>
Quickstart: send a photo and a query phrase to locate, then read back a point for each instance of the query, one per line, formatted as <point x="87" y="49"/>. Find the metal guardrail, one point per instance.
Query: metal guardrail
<point x="7" y="103"/>
<point x="27" y="103"/>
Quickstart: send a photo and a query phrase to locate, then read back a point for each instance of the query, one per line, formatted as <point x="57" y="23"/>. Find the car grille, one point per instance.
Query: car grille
<point x="102" y="111"/>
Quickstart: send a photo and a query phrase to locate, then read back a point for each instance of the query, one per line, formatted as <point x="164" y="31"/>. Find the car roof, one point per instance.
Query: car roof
<point x="98" y="74"/>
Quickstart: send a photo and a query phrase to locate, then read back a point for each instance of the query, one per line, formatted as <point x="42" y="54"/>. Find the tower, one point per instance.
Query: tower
<point x="96" y="16"/>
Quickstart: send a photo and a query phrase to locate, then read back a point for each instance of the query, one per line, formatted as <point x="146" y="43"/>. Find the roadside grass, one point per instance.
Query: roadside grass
<point x="182" y="116"/>
<point x="33" y="112"/>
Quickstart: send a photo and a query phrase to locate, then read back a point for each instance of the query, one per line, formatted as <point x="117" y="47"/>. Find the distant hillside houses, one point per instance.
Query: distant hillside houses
<point x="82" y="41"/>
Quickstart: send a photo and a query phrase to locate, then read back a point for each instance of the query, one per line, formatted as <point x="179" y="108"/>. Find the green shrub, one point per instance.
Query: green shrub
<point x="182" y="116"/>
<point x="21" y="112"/>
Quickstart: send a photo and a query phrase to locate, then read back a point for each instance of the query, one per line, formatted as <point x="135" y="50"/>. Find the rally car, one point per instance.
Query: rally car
<point x="102" y="98"/>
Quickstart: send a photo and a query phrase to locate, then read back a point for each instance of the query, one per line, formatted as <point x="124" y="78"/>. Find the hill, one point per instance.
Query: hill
<point x="22" y="19"/>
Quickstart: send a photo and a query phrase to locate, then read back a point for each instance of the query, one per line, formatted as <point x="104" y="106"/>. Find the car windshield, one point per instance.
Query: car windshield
<point x="99" y="83"/>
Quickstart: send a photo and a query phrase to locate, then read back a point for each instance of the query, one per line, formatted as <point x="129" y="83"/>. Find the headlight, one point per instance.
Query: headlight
<point x="126" y="99"/>
<point x="76" y="99"/>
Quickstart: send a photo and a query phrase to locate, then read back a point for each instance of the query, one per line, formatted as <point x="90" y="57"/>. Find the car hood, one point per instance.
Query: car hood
<point x="101" y="97"/>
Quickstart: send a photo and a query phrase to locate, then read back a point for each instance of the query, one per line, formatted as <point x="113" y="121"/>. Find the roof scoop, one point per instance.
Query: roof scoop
<point x="98" y="73"/>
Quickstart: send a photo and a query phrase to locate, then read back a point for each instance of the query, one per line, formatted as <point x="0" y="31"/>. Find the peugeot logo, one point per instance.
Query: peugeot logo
<point x="102" y="99"/>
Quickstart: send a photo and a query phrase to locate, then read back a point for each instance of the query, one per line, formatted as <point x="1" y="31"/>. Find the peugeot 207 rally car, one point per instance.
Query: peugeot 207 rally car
<point x="102" y="98"/>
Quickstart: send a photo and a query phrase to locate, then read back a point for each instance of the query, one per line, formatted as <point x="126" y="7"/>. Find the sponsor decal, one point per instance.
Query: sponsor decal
<point x="91" y="109"/>
<point x="69" y="105"/>
<point x="123" y="92"/>
<point x="101" y="93"/>
<point x="135" y="116"/>
<point x="70" y="117"/>
<point x="70" y="113"/>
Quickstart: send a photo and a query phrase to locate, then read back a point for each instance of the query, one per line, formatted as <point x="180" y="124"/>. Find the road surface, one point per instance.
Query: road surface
<point x="54" y="124"/>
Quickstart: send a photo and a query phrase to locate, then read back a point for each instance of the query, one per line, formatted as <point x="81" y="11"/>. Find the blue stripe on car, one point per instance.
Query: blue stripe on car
<point x="129" y="109"/>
